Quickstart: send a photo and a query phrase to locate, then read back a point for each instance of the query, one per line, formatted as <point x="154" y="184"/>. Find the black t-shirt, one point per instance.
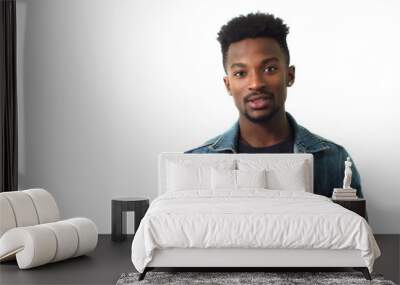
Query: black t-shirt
<point x="282" y="147"/>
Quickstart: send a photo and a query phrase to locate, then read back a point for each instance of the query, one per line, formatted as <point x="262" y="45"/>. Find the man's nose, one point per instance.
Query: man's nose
<point x="256" y="81"/>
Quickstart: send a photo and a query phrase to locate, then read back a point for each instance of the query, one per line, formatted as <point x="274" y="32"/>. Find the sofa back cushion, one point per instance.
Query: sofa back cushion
<point x="26" y="208"/>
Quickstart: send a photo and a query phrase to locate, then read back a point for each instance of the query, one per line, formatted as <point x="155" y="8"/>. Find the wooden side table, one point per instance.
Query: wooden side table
<point x="358" y="206"/>
<point x="119" y="207"/>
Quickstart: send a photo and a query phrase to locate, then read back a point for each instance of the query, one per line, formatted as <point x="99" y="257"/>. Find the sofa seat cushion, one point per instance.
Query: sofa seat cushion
<point x="40" y="244"/>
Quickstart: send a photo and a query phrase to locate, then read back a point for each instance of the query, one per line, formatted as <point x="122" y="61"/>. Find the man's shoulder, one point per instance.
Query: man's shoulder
<point x="309" y="142"/>
<point x="204" y="148"/>
<point x="223" y="143"/>
<point x="312" y="140"/>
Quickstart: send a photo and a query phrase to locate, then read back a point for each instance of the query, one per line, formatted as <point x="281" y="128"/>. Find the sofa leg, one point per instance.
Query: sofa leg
<point x="143" y="274"/>
<point x="364" y="271"/>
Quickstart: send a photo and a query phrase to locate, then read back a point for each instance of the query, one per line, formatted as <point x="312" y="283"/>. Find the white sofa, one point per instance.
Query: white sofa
<point x="32" y="233"/>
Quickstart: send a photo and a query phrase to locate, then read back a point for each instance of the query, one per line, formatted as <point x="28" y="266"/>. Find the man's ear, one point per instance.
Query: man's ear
<point x="291" y="75"/>
<point x="227" y="86"/>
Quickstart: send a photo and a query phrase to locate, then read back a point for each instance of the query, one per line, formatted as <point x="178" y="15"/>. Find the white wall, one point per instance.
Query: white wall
<point x="104" y="86"/>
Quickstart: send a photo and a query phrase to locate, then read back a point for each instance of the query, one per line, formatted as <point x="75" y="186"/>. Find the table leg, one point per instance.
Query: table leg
<point x="118" y="222"/>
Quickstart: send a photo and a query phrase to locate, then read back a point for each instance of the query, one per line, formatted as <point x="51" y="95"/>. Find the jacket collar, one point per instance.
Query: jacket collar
<point x="304" y="140"/>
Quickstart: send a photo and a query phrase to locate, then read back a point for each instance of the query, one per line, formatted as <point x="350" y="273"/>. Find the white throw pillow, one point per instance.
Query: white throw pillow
<point x="185" y="175"/>
<point x="251" y="178"/>
<point x="281" y="174"/>
<point x="181" y="177"/>
<point x="222" y="179"/>
<point x="290" y="178"/>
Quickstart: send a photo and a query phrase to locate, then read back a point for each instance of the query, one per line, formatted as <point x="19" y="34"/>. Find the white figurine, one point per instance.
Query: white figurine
<point x="347" y="174"/>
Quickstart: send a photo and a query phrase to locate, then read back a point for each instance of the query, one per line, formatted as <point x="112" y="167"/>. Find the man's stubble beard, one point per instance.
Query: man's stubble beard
<point x="265" y="118"/>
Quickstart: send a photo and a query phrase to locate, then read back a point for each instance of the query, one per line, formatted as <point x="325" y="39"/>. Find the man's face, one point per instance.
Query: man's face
<point x="257" y="78"/>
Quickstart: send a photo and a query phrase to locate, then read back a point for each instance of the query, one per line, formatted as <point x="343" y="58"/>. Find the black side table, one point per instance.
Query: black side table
<point x="358" y="206"/>
<point x="119" y="207"/>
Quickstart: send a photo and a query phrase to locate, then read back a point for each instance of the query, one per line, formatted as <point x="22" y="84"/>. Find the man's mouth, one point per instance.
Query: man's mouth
<point x="259" y="102"/>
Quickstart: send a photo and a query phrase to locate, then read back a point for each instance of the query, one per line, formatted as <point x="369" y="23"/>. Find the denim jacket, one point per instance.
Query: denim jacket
<point x="329" y="157"/>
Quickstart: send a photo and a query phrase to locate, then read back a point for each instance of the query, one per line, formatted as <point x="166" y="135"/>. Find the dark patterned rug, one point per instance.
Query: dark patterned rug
<point x="270" y="278"/>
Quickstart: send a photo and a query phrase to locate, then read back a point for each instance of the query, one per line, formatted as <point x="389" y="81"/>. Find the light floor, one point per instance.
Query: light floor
<point x="111" y="259"/>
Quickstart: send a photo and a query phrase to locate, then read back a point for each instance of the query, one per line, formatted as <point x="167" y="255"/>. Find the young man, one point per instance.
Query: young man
<point x="258" y="71"/>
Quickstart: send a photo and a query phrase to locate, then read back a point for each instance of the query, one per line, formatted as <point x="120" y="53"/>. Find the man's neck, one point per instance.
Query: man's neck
<point x="276" y="130"/>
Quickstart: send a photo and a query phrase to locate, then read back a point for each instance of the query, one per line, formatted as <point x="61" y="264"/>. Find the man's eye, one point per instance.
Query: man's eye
<point x="239" y="74"/>
<point x="271" y="68"/>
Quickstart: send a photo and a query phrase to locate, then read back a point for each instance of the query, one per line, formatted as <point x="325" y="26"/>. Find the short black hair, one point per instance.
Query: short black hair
<point x="253" y="25"/>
